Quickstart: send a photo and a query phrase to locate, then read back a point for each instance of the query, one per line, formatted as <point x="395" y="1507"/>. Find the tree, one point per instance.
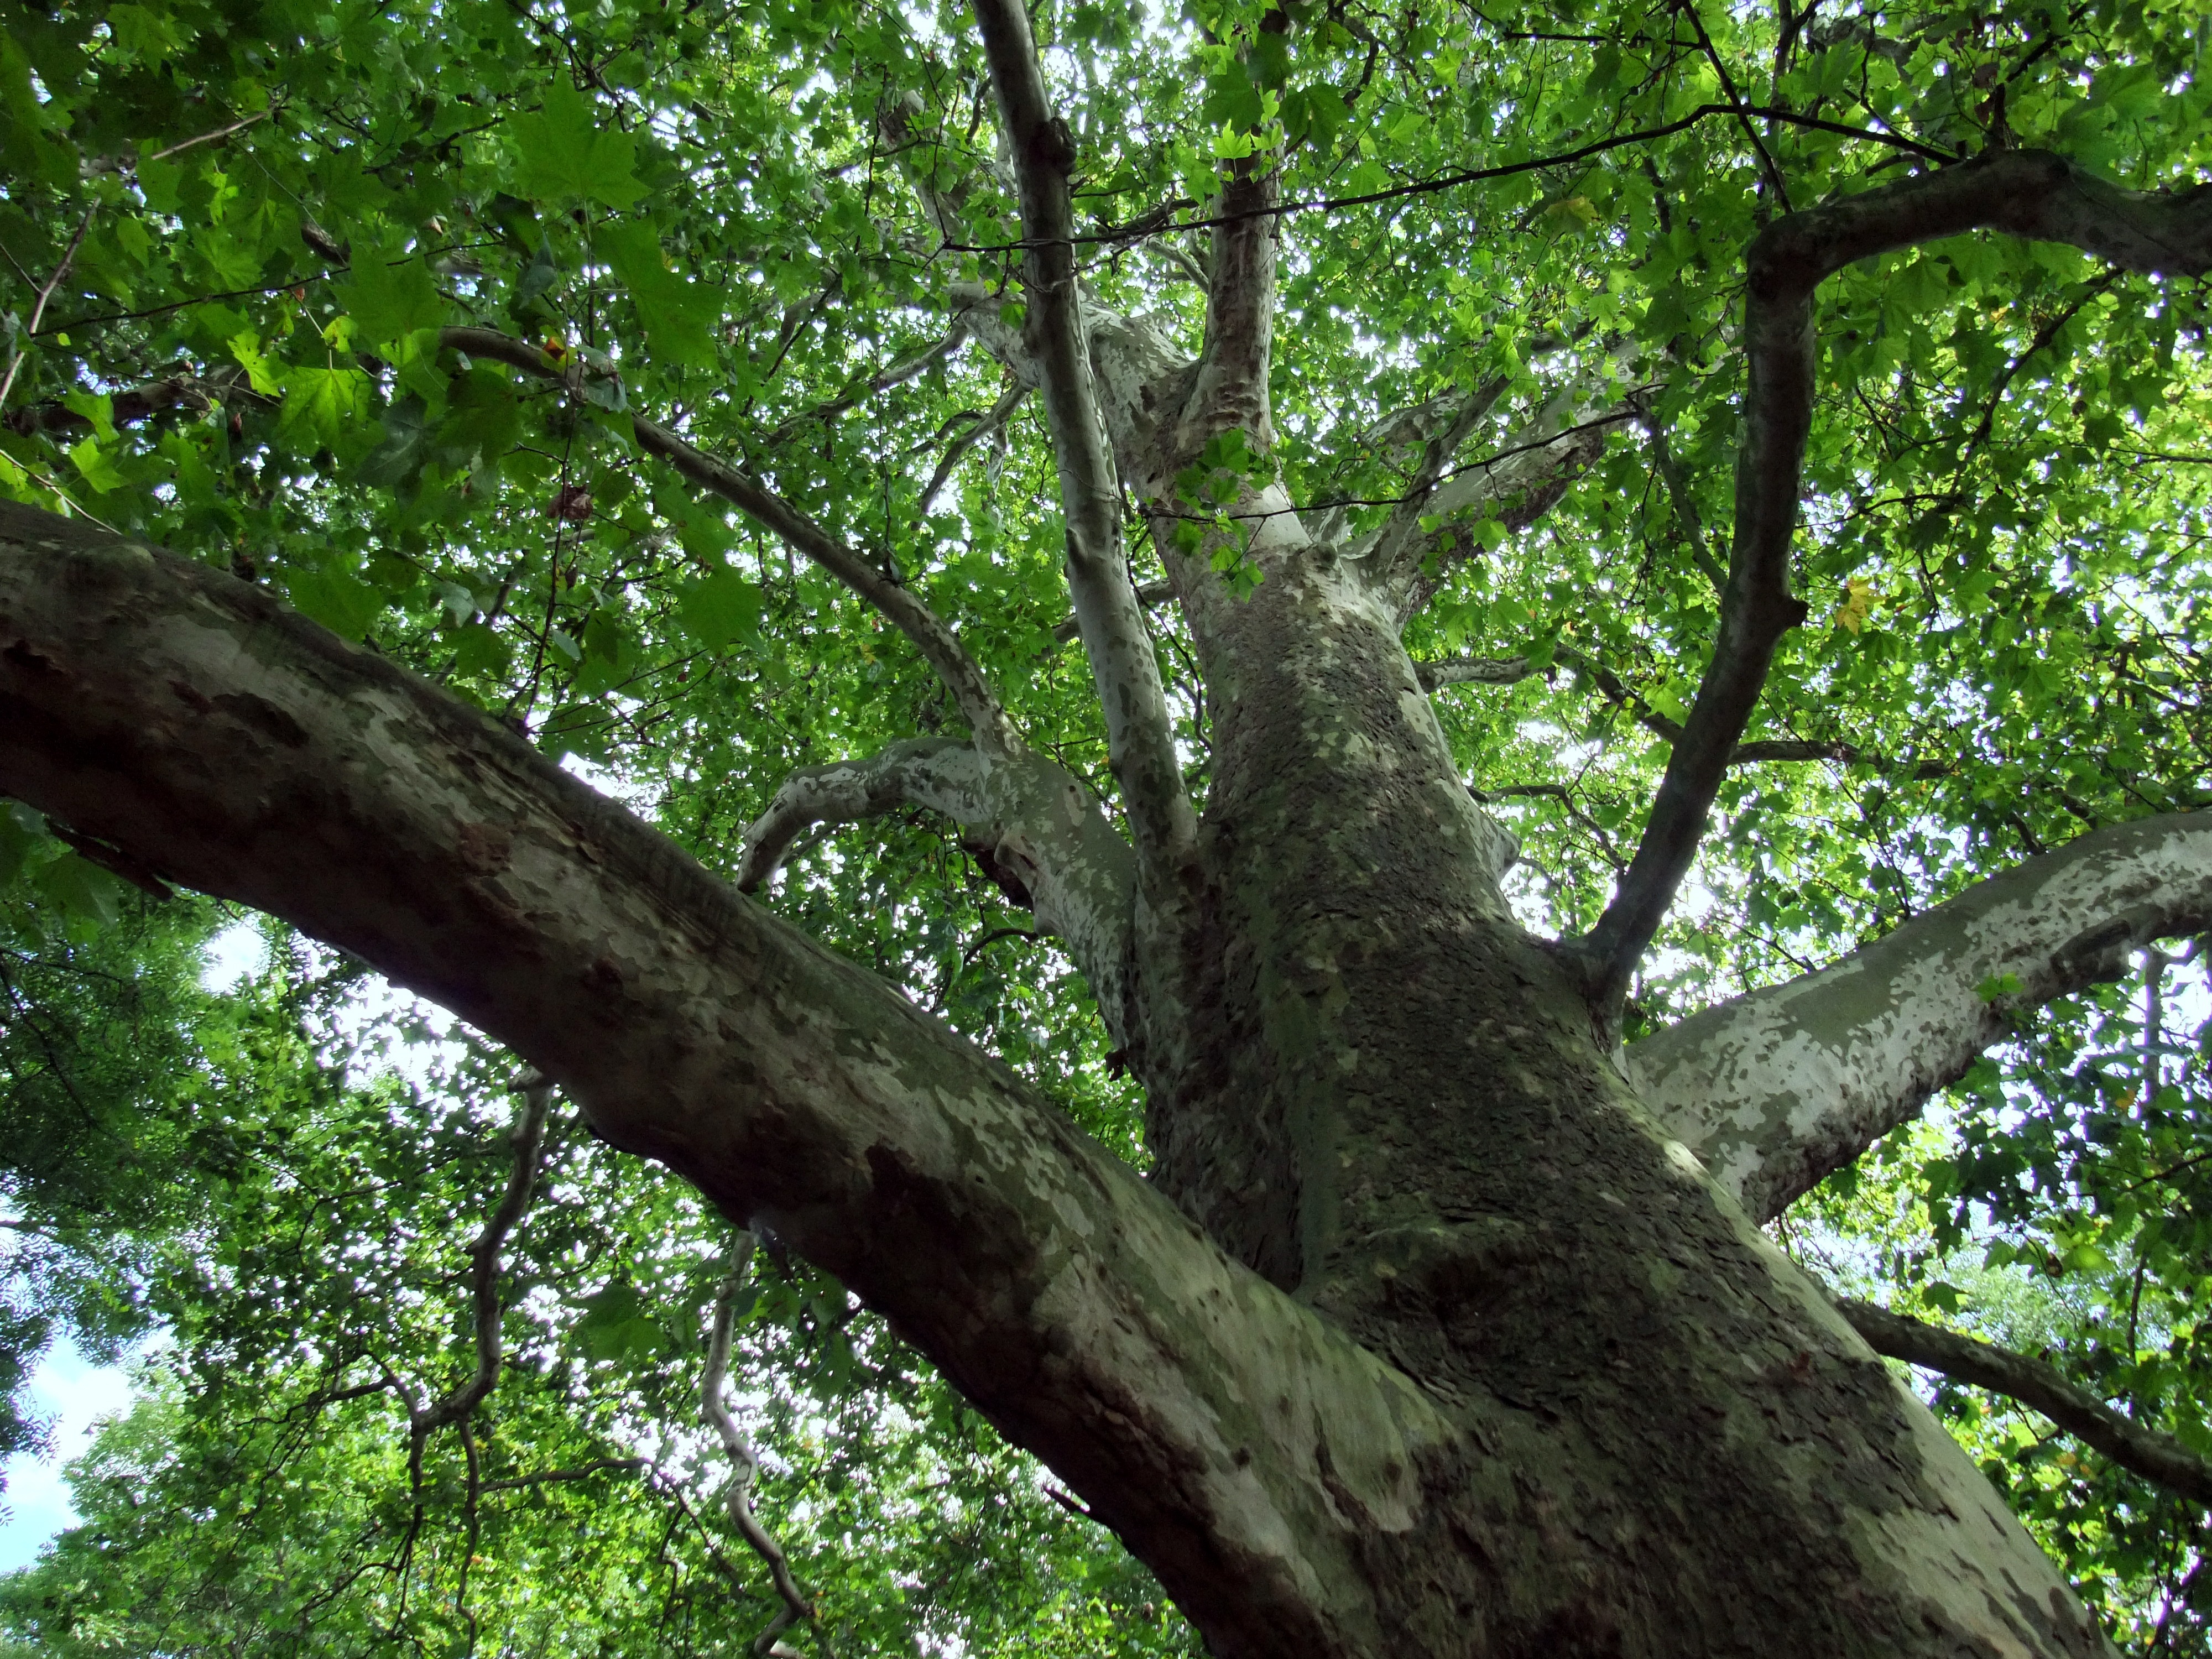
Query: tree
<point x="1319" y="362"/>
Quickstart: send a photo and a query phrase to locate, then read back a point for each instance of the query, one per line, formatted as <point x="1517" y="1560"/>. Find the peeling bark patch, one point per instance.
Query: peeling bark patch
<point x="20" y="655"/>
<point x="485" y="850"/>
<point x="259" y="715"/>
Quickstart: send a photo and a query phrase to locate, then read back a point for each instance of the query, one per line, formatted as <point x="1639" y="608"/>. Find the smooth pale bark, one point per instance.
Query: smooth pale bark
<point x="1226" y="1433"/>
<point x="1140" y="736"/>
<point x="1039" y="826"/>
<point x="1552" y="1396"/>
<point x="1775" y="1090"/>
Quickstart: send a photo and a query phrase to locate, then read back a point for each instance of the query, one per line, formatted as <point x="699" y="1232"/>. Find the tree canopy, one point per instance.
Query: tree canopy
<point x="635" y="373"/>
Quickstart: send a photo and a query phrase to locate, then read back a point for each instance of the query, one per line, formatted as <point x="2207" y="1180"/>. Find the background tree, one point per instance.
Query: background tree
<point x="741" y="400"/>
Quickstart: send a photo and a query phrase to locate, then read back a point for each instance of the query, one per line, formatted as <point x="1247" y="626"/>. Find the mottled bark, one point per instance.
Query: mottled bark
<point x="1039" y="826"/>
<point x="1775" y="1090"/>
<point x="1540" y="1390"/>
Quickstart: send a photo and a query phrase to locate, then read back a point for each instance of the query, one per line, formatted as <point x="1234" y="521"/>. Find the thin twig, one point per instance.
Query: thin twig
<point x="38" y="306"/>
<point x="738" y="1496"/>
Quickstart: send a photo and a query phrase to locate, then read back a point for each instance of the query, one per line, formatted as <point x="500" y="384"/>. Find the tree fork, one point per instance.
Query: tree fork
<point x="1291" y="1486"/>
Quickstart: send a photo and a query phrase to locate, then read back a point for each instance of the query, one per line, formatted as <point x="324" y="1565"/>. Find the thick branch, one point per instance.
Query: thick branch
<point x="744" y="1463"/>
<point x="192" y="392"/>
<point x="1242" y="1447"/>
<point x="1230" y="388"/>
<point x="1140" y="736"/>
<point x="938" y="645"/>
<point x="1775" y="1090"/>
<point x="2157" y="1458"/>
<point x="2024" y="192"/>
<point x="1043" y="832"/>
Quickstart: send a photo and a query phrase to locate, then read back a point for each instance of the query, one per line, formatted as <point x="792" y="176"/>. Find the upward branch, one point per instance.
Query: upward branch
<point x="1140" y="736"/>
<point x="1776" y="1088"/>
<point x="484" y="1267"/>
<point x="2026" y="193"/>
<point x="745" y="1461"/>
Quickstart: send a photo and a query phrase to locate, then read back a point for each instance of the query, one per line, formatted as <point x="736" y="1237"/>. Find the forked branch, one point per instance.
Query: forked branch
<point x="1140" y="735"/>
<point x="2025" y="193"/>
<point x="938" y="645"/>
<point x="1041" y="831"/>
<point x="2142" y="1451"/>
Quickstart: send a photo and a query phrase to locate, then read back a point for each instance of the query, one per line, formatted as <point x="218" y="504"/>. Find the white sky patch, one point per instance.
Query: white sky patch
<point x="77" y="1395"/>
<point x="233" y="956"/>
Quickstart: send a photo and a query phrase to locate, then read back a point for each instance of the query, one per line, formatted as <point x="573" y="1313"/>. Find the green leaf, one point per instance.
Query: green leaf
<point x="720" y="609"/>
<point x="562" y="154"/>
<point x="83" y="890"/>
<point x="617" y="1325"/>
<point x="1995" y="986"/>
<point x="261" y="373"/>
<point x="678" y="316"/>
<point x="97" y="466"/>
<point x="23" y="839"/>
<point x="336" y="597"/>
<point x="390" y="299"/>
<point x="320" y="403"/>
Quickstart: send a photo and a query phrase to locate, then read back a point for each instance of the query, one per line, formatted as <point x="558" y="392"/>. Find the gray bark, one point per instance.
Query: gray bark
<point x="1541" y="1391"/>
<point x="1775" y="1090"/>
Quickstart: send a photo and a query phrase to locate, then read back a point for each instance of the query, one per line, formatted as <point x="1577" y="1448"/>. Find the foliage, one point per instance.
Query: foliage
<point x="248" y="219"/>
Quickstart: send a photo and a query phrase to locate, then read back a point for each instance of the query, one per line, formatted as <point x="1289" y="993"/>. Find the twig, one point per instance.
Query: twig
<point x="527" y="1136"/>
<point x="210" y="138"/>
<point x="38" y="305"/>
<point x="737" y="1496"/>
<point x="1480" y="175"/>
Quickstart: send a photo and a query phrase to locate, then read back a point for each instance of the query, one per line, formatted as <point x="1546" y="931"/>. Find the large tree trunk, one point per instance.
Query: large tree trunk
<point x="1400" y="1111"/>
<point x="1511" y="1376"/>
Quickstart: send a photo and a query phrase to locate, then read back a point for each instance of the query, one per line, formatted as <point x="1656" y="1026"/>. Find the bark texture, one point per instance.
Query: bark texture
<point x="1775" y="1090"/>
<point x="1428" y="1338"/>
<point x="1542" y="1390"/>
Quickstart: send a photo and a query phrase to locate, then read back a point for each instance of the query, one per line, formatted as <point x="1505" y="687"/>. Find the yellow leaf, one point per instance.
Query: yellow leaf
<point x="1858" y="599"/>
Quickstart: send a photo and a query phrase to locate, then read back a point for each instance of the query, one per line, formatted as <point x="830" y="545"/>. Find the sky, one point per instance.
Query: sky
<point x="77" y="1394"/>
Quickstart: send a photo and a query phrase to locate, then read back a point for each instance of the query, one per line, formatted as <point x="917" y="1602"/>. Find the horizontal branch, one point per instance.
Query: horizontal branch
<point x="1160" y="220"/>
<point x="193" y="393"/>
<point x="2135" y="1446"/>
<point x="1775" y="1090"/>
<point x="2025" y="193"/>
<point x="1238" y="1443"/>
<point x="1509" y="670"/>
<point x="938" y="645"/>
<point x="1149" y="595"/>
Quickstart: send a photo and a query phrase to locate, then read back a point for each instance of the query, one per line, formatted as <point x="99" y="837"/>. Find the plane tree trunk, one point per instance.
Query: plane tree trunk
<point x="1506" y="1374"/>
